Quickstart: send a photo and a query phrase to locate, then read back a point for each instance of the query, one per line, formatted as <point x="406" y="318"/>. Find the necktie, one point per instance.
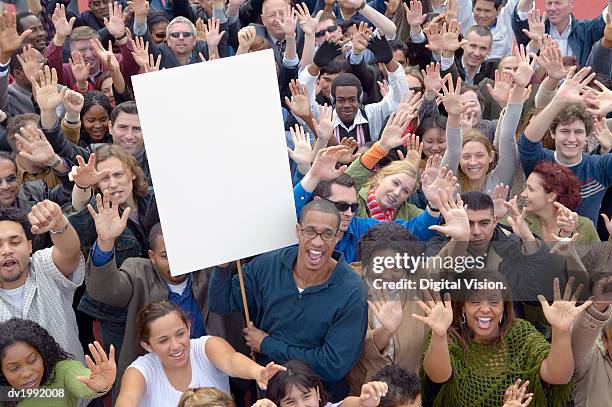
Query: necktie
<point x="281" y="46"/>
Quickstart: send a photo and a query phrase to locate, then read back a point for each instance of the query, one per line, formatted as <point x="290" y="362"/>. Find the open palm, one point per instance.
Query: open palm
<point x="103" y="369"/>
<point x="388" y="313"/>
<point x="109" y="225"/>
<point x="562" y="313"/>
<point x="439" y="315"/>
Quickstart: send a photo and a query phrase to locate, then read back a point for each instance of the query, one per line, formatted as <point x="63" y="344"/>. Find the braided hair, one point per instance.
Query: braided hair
<point x="94" y="98"/>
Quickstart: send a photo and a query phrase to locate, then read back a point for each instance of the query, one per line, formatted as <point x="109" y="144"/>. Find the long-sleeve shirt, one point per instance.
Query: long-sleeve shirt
<point x="375" y="113"/>
<point x="594" y="172"/>
<point x="323" y="325"/>
<point x="418" y="226"/>
<point x="508" y="157"/>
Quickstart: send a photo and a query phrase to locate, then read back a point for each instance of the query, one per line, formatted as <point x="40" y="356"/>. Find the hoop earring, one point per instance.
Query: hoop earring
<point x="463" y="319"/>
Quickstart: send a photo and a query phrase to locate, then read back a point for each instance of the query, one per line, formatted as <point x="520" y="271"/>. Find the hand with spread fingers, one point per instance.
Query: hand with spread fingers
<point x="563" y="311"/>
<point x="499" y="196"/>
<point x="393" y="135"/>
<point x="30" y="62"/>
<point x="516" y="395"/>
<point x="438" y="313"/>
<point x="141" y="51"/>
<point x="114" y="23"/>
<point x="450" y="36"/>
<point x="63" y="27"/>
<point x="500" y="92"/>
<point x="414" y="151"/>
<point x="603" y="135"/>
<point x="372" y="394"/>
<point x="516" y="220"/>
<point x="388" y="313"/>
<point x="574" y="85"/>
<point x="451" y="98"/>
<point x="536" y="29"/>
<point x="457" y="224"/>
<point x="109" y="225"/>
<point x="103" y="369"/>
<point x="599" y="102"/>
<point x="80" y="69"/>
<point x="211" y="31"/>
<point x="302" y="149"/>
<point x="46" y="216"/>
<point x="350" y="153"/>
<point x="552" y="61"/>
<point x="46" y="90"/>
<point x="525" y="69"/>
<point x="35" y="147"/>
<point x="432" y="80"/>
<point x="444" y="181"/>
<point x="10" y="41"/>
<point x="325" y="125"/>
<point x="308" y="23"/>
<point x="86" y="175"/>
<point x="299" y="103"/>
<point x="267" y="372"/>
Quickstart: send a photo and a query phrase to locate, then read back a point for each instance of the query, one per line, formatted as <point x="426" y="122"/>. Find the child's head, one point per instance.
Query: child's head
<point x="404" y="388"/>
<point x="298" y="386"/>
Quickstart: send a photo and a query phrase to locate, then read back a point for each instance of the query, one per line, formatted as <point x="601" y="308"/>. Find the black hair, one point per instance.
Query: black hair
<point x="320" y="205"/>
<point x="128" y="107"/>
<point x="14" y="63"/>
<point x="298" y="374"/>
<point x="155" y="231"/>
<point x="95" y="98"/>
<point x="156" y="17"/>
<point x="399" y="45"/>
<point x="496" y="3"/>
<point x="404" y="386"/>
<point x="19" y="216"/>
<point x="386" y="236"/>
<point x="24" y="330"/>
<point x="337" y="65"/>
<point x="323" y="189"/>
<point x="346" y="79"/>
<point x="19" y="17"/>
<point x="477" y="201"/>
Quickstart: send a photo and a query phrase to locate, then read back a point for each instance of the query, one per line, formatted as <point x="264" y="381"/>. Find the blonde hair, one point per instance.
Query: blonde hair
<point x="478" y="137"/>
<point x="205" y="397"/>
<point x="396" y="167"/>
<point x="140" y="186"/>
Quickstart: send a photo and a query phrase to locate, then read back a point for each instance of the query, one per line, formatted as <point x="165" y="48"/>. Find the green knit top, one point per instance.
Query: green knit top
<point x="481" y="376"/>
<point x="64" y="383"/>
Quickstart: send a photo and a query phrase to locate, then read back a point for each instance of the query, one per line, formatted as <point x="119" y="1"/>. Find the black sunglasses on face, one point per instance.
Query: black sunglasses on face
<point x="186" y="34"/>
<point x="330" y="30"/>
<point x="161" y="35"/>
<point x="343" y="206"/>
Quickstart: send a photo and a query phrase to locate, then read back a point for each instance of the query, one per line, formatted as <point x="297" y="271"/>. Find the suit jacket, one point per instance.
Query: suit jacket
<point x="262" y="32"/>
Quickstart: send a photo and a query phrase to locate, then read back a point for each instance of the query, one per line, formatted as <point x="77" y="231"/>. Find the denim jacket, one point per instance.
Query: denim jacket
<point x="131" y="243"/>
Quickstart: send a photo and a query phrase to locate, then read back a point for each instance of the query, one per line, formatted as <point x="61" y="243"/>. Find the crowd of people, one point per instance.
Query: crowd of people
<point x="424" y="129"/>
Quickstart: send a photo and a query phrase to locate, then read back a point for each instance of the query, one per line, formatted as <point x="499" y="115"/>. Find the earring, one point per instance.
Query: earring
<point x="501" y="319"/>
<point x="463" y="318"/>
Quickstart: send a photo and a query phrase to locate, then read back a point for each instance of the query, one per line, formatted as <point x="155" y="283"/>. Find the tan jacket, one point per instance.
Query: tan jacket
<point x="592" y="365"/>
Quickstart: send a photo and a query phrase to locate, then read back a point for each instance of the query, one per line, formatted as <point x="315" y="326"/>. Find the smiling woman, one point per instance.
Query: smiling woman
<point x="32" y="360"/>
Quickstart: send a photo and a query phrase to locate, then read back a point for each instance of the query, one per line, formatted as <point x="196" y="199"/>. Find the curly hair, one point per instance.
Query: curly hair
<point x="95" y="98"/>
<point x="403" y="385"/>
<point x="571" y="113"/>
<point x="23" y="330"/>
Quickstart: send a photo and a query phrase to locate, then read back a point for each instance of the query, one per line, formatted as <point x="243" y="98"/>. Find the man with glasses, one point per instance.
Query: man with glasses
<point x="306" y="301"/>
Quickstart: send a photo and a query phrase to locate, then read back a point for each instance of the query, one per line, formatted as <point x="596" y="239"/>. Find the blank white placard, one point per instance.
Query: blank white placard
<point x="216" y="147"/>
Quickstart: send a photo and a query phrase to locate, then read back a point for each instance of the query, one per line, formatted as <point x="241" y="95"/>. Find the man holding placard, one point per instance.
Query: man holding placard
<point x="307" y="301"/>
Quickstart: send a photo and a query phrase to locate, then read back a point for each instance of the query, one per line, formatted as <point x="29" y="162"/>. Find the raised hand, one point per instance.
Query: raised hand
<point x="451" y="100"/>
<point x="73" y="101"/>
<point x="140" y="8"/>
<point x="63" y="27"/>
<point x="302" y="150"/>
<point x="372" y="393"/>
<point x="109" y="225"/>
<point x="384" y="87"/>
<point x="103" y="369"/>
<point x="524" y="72"/>
<point x="326" y="53"/>
<point x="201" y="30"/>
<point x="361" y="37"/>
<point x="574" y="85"/>
<point x="452" y="10"/>
<point x="432" y="167"/>
<point x="457" y="224"/>
<point x="564" y="246"/>
<point x="499" y="196"/>
<point x="431" y="78"/>
<point x="600" y="102"/>
<point x="438" y="314"/>
<point x="552" y="60"/>
<point x="213" y="36"/>
<point x="45" y="90"/>
<point x="29" y="62"/>
<point x="518" y="94"/>
<point x="35" y="147"/>
<point x="444" y="181"/>
<point x="391" y="7"/>
<point x="381" y="49"/>
<point x="325" y="126"/>
<point x="324" y="164"/>
<point x="103" y="53"/>
<point x="46" y="216"/>
<point x="393" y="135"/>
<point x="10" y="41"/>
<point x="80" y="69"/>
<point x="414" y="153"/>
<point x="450" y="36"/>
<point x="468" y="120"/>
<point x="410" y="105"/>
<point x="536" y="29"/>
<point x="299" y="103"/>
<point x="607" y="222"/>
<point x="246" y="36"/>
<point x="153" y="65"/>
<point x="414" y="13"/>
<point x="114" y="23"/>
<point x="562" y="313"/>
<point x="308" y="23"/>
<point x="388" y="313"/>
<point x="603" y="135"/>
<point x="517" y="220"/>
<point x="602" y="293"/>
<point x="86" y="175"/>
<point x="289" y="23"/>
<point x="503" y="83"/>
<point x="435" y="42"/>
<point x="567" y="220"/>
<point x="266" y="373"/>
<point x="516" y="395"/>
<point x="141" y="51"/>
<point x="348" y="156"/>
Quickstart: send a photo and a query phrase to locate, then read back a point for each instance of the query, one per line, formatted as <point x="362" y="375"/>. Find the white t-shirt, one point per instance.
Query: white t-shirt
<point x="178" y="288"/>
<point x="14" y="296"/>
<point x="160" y="393"/>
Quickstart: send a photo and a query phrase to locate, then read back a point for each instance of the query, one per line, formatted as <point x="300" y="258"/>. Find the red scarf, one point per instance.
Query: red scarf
<point x="376" y="212"/>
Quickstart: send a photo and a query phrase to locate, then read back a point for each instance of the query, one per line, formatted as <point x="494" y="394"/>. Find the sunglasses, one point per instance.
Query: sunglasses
<point x="9" y="180"/>
<point x="330" y="30"/>
<point x="186" y="34"/>
<point x="343" y="206"/>
<point x="162" y="35"/>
